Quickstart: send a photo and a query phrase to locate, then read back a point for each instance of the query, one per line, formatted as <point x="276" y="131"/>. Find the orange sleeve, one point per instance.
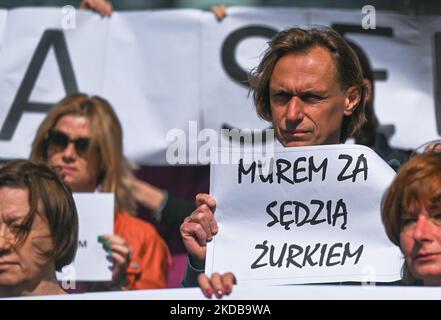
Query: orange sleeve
<point x="151" y="259"/>
<point x="154" y="264"/>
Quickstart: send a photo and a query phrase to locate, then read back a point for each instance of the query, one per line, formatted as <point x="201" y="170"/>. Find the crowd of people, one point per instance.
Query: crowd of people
<point x="312" y="86"/>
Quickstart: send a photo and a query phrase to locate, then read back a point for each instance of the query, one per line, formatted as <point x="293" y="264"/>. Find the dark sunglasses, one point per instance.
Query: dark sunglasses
<point x="60" y="141"/>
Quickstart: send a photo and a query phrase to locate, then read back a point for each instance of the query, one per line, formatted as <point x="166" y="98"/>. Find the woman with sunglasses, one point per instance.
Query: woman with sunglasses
<point x="82" y="138"/>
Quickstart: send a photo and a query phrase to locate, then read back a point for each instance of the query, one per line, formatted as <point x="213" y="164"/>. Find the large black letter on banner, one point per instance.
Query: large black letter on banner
<point x="342" y="29"/>
<point x="21" y="102"/>
<point x="437" y="79"/>
<point x="232" y="68"/>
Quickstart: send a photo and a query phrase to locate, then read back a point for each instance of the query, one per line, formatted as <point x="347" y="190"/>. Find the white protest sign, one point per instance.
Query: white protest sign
<point x="96" y="217"/>
<point x="241" y="292"/>
<point x="313" y="218"/>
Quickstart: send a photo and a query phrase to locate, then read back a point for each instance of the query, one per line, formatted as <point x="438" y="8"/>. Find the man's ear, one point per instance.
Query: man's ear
<point x="368" y="90"/>
<point x="352" y="99"/>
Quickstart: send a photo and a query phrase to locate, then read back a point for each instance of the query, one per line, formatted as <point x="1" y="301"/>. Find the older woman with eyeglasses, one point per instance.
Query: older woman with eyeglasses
<point x="38" y="229"/>
<point x="82" y="138"/>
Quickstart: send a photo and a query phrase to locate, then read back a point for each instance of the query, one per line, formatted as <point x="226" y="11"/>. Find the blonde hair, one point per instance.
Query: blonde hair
<point x="106" y="147"/>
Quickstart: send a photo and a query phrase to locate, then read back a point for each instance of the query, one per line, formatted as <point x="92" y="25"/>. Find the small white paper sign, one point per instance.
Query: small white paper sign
<point x="96" y="217"/>
<point x="313" y="218"/>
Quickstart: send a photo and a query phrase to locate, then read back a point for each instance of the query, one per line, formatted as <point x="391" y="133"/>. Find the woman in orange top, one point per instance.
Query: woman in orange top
<point x="82" y="138"/>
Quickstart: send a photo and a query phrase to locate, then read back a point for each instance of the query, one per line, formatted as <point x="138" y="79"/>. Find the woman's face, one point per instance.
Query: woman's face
<point x="420" y="240"/>
<point x="22" y="266"/>
<point x="79" y="172"/>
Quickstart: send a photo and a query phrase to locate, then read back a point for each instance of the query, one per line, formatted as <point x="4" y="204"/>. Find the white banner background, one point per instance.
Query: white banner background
<point x="241" y="212"/>
<point x="161" y="69"/>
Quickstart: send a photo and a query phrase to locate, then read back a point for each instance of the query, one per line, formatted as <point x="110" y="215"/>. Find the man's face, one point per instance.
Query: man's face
<point x="307" y="103"/>
<point x="80" y="173"/>
<point x="22" y="266"/>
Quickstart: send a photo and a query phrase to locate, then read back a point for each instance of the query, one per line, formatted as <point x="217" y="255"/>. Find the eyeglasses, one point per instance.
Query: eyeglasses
<point x="431" y="146"/>
<point x="59" y="141"/>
